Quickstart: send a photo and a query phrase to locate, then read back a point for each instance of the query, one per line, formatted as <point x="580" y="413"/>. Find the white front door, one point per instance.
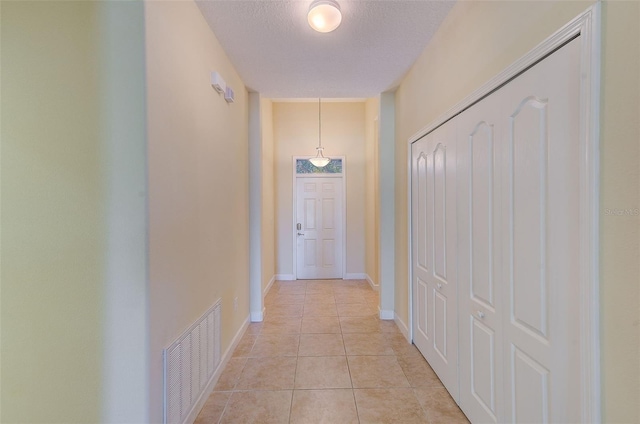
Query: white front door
<point x="319" y="227"/>
<point x="434" y="247"/>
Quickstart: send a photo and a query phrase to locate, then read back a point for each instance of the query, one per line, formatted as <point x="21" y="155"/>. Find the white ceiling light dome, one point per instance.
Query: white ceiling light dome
<point x="324" y="15"/>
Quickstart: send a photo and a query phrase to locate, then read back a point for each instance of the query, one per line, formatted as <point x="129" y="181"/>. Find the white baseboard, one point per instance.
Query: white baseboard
<point x="258" y="316"/>
<point x="354" y="276"/>
<point x="386" y="314"/>
<point x="403" y="327"/>
<point x="373" y="285"/>
<point x="285" y="277"/>
<point x="266" y="289"/>
<point x="197" y="406"/>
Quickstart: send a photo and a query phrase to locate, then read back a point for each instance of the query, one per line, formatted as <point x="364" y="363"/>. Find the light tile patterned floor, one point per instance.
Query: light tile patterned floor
<point x="323" y="356"/>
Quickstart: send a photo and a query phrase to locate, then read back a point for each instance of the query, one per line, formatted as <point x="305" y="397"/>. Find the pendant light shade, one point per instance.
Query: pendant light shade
<point x="320" y="161"/>
<point x="324" y="15"/>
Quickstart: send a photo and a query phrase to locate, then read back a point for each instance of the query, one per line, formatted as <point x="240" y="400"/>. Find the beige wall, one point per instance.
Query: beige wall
<point x="268" y="194"/>
<point x="53" y="225"/>
<point x="620" y="168"/>
<point x="73" y="213"/>
<point x="198" y="182"/>
<point x="372" y="207"/>
<point x="295" y="126"/>
<point x="475" y="42"/>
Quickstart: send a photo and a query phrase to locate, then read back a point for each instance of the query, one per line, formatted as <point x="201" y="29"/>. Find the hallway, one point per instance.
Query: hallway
<point x="323" y="356"/>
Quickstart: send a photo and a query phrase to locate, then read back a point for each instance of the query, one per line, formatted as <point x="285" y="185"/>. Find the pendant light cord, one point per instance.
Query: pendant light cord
<point x="319" y="123"/>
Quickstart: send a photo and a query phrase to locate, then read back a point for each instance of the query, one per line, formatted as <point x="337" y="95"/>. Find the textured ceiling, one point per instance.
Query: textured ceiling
<point x="277" y="54"/>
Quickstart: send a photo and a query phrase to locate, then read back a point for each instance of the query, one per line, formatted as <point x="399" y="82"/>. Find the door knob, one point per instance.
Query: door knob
<point x="439" y="286"/>
<point x="300" y="234"/>
<point x="480" y="314"/>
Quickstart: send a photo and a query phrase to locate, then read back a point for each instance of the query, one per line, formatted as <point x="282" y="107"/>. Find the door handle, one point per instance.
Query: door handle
<point x="480" y="314"/>
<point x="439" y="286"/>
<point x="300" y="234"/>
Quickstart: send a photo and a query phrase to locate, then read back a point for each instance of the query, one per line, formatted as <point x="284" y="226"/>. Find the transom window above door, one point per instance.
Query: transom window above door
<point x="303" y="166"/>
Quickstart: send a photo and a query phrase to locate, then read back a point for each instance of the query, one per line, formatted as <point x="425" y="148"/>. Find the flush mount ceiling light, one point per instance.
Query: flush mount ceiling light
<point x="324" y="15"/>
<point x="319" y="161"/>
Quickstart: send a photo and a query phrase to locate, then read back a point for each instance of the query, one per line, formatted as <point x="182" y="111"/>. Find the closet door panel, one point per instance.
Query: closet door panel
<point x="479" y="268"/>
<point x="540" y="168"/>
<point x="434" y="236"/>
<point x="421" y="246"/>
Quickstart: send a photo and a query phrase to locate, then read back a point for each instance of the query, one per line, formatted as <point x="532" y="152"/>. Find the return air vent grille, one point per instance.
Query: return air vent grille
<point x="189" y="363"/>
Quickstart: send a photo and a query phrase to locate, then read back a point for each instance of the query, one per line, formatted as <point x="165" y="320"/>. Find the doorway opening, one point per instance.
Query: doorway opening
<point x="319" y="220"/>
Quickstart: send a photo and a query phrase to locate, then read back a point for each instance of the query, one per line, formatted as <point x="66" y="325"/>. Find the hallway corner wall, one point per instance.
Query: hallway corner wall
<point x="53" y="228"/>
<point x="372" y="198"/>
<point x="198" y="183"/>
<point x="268" y="195"/>
<point x="74" y="242"/>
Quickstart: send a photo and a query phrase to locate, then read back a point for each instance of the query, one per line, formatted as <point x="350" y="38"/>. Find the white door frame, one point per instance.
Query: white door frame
<point x="587" y="26"/>
<point x="343" y="210"/>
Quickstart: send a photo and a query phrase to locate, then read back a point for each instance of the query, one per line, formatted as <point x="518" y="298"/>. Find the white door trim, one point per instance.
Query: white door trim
<point x="587" y="26"/>
<point x="343" y="177"/>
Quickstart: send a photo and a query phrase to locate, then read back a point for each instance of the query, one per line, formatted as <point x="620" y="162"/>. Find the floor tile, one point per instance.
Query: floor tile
<point x="296" y="290"/>
<point x="320" y="310"/>
<point x="285" y="299"/>
<point x="276" y="345"/>
<point x="439" y="407"/>
<point x="401" y="345"/>
<point x="321" y="345"/>
<point x="389" y="326"/>
<point x="213" y="408"/>
<point x="388" y="406"/>
<point x="359" y="325"/>
<point x="322" y="355"/>
<point x="322" y="372"/>
<point x="376" y="371"/>
<point x="319" y="291"/>
<point x="323" y="407"/>
<point x="281" y="325"/>
<point x="350" y="298"/>
<point x="356" y="310"/>
<point x="285" y="310"/>
<point x="229" y="377"/>
<point x="319" y="298"/>
<point x="274" y="373"/>
<point x="245" y="345"/>
<point x="367" y="344"/>
<point x="295" y="283"/>
<point x="418" y="372"/>
<point x="264" y="407"/>
<point x="254" y="328"/>
<point x="320" y="325"/>
<point x="371" y="296"/>
<point x="319" y="285"/>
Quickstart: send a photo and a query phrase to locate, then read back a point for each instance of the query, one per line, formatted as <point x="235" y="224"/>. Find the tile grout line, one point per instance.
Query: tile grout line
<point x="295" y="371"/>
<point x="353" y="391"/>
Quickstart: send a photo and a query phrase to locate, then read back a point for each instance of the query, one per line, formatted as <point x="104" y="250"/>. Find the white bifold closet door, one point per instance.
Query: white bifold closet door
<point x="434" y="246"/>
<point x="480" y="262"/>
<point x="540" y="167"/>
<point x="515" y="258"/>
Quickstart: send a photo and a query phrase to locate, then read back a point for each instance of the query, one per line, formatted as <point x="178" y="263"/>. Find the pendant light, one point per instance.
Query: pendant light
<point x="319" y="161"/>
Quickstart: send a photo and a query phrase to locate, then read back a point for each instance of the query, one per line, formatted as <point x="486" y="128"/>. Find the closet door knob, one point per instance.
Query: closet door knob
<point x="480" y="314"/>
<point x="439" y="286"/>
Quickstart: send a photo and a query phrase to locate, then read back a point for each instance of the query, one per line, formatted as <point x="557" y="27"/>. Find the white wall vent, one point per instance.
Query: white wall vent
<point x="189" y="364"/>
